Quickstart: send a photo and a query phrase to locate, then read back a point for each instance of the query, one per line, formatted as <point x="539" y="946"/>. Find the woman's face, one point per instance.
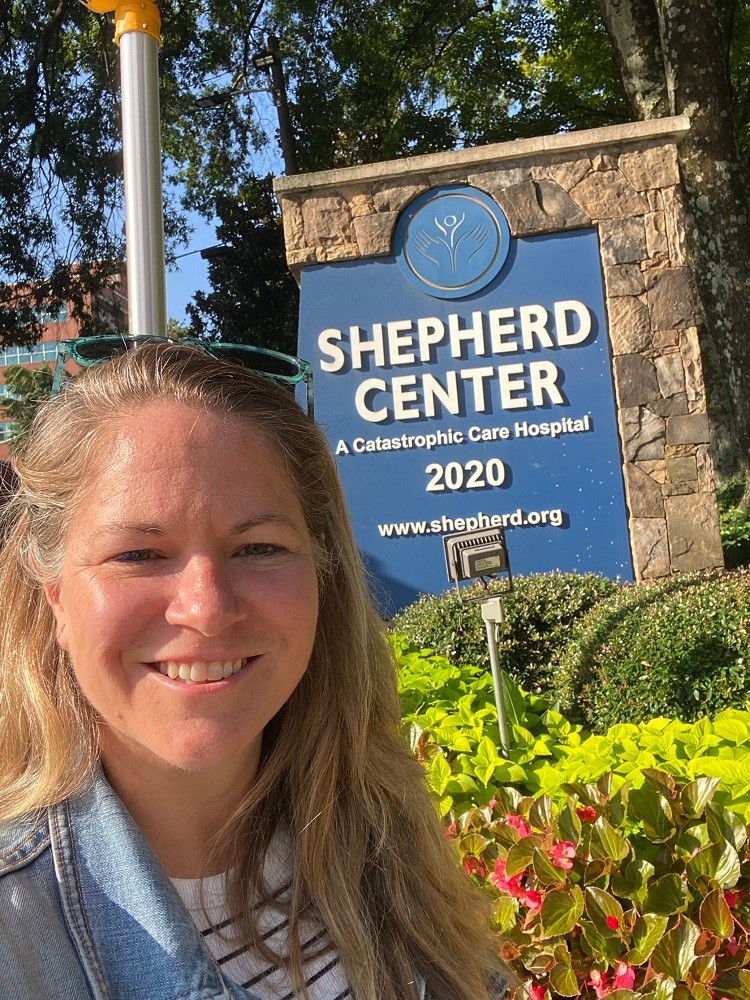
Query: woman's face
<point x="188" y="597"/>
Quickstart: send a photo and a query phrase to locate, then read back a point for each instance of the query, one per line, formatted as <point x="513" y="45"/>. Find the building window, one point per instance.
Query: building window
<point x="53" y="313"/>
<point x="44" y="351"/>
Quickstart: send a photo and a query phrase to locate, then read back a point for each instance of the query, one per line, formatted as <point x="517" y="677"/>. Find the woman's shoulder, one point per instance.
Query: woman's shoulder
<point x="22" y="840"/>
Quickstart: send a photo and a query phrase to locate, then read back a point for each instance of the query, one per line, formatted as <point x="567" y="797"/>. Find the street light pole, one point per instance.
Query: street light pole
<point x="137" y="27"/>
<point x="278" y="85"/>
<point x="270" y="61"/>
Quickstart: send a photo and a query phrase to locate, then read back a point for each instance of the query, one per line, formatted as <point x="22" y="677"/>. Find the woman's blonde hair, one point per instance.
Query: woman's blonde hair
<point x="370" y="854"/>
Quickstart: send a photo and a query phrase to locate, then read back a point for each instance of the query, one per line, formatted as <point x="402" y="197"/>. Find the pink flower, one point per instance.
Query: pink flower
<point x="475" y="866"/>
<point x="586" y="814"/>
<point x="563" y="855"/>
<point x="491" y="804"/>
<point x="613" y="923"/>
<point x="732" y="946"/>
<point x="536" y="993"/>
<point x="598" y="982"/>
<point x="624" y="977"/>
<point x="450" y="830"/>
<point x="532" y="899"/>
<point x="518" y="824"/>
<point x="512" y="886"/>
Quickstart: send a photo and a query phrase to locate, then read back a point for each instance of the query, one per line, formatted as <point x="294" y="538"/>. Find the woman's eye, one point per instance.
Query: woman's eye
<point x="260" y="550"/>
<point x="135" y="556"/>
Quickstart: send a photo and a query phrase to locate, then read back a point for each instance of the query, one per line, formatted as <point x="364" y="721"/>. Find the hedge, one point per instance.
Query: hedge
<point x="539" y="614"/>
<point x="605" y="652"/>
<point x="678" y="648"/>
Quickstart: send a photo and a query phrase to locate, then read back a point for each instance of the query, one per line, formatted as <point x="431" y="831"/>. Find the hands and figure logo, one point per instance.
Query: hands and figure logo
<point x="452" y="241"/>
<point x="468" y="242"/>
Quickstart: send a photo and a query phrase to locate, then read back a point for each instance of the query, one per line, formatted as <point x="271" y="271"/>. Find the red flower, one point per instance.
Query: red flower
<point x="532" y="899"/>
<point x="613" y="923"/>
<point x="598" y="982"/>
<point x="730" y="897"/>
<point x="624" y="977"/>
<point x="518" y="824"/>
<point x="586" y="814"/>
<point x="475" y="866"/>
<point x="536" y="993"/>
<point x="563" y="855"/>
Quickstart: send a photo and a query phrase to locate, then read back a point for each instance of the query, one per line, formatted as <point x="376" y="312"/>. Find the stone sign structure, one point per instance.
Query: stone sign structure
<point x="623" y="181"/>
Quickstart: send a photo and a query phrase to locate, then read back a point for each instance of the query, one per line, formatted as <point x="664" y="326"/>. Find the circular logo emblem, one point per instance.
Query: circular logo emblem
<point x="452" y="241"/>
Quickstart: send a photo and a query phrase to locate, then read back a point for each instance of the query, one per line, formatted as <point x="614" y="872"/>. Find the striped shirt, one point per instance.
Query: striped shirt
<point x="323" y="972"/>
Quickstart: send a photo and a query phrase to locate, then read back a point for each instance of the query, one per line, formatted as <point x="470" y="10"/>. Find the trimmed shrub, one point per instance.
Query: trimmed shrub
<point x="678" y="648"/>
<point x="734" y="523"/>
<point x="540" y="611"/>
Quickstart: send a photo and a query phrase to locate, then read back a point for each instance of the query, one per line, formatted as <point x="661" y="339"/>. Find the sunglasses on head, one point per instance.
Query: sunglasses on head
<point x="284" y="369"/>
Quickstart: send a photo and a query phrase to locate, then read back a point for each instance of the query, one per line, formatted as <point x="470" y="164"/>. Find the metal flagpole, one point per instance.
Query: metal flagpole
<point x="137" y="27"/>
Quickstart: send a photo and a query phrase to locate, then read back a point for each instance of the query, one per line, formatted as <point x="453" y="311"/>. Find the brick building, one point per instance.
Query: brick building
<point x="110" y="307"/>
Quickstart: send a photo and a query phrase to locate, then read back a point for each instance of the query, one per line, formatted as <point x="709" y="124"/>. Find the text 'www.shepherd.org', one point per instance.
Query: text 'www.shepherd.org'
<point x="440" y="526"/>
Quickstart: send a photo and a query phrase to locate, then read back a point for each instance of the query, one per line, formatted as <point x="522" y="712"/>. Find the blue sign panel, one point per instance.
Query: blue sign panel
<point x="495" y="408"/>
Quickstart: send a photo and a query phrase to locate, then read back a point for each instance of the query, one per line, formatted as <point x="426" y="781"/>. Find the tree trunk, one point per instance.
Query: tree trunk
<point x="633" y="29"/>
<point x="691" y="41"/>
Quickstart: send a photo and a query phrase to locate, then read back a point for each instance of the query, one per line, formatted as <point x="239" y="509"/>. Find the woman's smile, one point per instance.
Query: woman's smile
<point x="201" y="672"/>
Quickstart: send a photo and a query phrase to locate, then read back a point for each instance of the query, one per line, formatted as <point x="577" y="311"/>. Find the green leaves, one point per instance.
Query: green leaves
<point x="607" y="843"/>
<point x="561" y="911"/>
<point x="648" y="930"/>
<point x="674" y="954"/>
<point x="563" y="981"/>
<point x="521" y="855"/>
<point x="604" y="910"/>
<point x="696" y="795"/>
<point x="438" y="778"/>
<point x="654" y="810"/>
<point x="715" y="915"/>
<point x="666" y="895"/>
<point x="717" y="863"/>
<point x="486" y="759"/>
<point x="27" y="389"/>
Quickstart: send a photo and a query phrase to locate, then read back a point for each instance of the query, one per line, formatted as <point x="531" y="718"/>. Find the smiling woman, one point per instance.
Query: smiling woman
<point x="205" y="791"/>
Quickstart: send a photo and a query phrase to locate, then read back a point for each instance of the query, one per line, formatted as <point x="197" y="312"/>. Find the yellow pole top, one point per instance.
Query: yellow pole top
<point x="130" y="15"/>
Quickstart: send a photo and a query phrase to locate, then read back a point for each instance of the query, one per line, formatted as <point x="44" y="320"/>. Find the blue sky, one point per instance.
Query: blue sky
<point x="189" y="274"/>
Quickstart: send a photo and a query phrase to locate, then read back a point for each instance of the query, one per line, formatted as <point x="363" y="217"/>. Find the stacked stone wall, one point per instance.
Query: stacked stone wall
<point x="625" y="182"/>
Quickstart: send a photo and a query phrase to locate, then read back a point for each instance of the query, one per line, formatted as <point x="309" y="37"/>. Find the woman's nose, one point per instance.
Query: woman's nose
<point x="205" y="598"/>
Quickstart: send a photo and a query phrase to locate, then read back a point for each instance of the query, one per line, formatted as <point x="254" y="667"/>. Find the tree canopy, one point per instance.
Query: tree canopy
<point x="368" y="80"/>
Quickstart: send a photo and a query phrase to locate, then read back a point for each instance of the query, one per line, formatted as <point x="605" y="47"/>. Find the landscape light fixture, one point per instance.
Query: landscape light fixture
<point x="481" y="554"/>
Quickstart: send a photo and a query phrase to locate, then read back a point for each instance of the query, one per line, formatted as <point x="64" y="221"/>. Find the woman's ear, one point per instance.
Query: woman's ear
<point x="52" y="593"/>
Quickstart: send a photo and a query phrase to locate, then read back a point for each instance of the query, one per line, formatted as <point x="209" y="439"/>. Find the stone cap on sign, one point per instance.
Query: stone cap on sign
<point x="562" y="142"/>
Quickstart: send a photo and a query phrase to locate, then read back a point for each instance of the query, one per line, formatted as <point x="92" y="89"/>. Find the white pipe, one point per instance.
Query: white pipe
<point x="144" y="218"/>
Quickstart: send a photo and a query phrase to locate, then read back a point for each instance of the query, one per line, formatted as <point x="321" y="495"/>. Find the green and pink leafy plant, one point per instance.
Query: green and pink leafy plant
<point x="641" y="894"/>
<point x="618" y="865"/>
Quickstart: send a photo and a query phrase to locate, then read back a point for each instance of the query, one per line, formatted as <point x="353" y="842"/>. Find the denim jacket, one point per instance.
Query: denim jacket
<point x="88" y="913"/>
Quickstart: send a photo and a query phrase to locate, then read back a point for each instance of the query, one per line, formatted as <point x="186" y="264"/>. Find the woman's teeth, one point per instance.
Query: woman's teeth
<point x="201" y="673"/>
